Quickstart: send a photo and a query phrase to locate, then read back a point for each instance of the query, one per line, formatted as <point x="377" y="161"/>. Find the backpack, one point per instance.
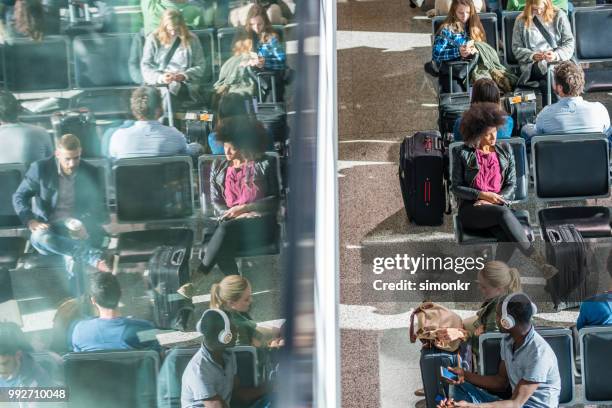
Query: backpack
<point x="431" y="319"/>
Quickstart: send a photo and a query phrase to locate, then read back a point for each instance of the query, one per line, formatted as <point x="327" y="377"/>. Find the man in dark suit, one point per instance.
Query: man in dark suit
<point x="69" y="206"/>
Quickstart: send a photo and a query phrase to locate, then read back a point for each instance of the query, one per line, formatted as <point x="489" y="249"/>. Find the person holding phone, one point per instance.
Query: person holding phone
<point x="541" y="36"/>
<point x="484" y="179"/>
<point x="528" y="364"/>
<point x="244" y="193"/>
<point x="454" y="40"/>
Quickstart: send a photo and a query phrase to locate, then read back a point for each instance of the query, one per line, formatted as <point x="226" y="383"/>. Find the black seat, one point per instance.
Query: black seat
<point x="508" y="19"/>
<point x="11" y="247"/>
<point x="157" y="191"/>
<point x="587" y="177"/>
<point x="207" y="39"/>
<point x="595" y="346"/>
<point x="562" y="343"/>
<point x="112" y="379"/>
<point x="470" y="236"/>
<point x="34" y="66"/>
<point x="592" y="28"/>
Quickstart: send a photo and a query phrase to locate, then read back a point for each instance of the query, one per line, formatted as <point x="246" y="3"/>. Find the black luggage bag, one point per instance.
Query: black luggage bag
<point x="421" y="173"/>
<point x="82" y="124"/>
<point x="168" y="271"/>
<point x="271" y="114"/>
<point x="450" y="108"/>
<point x="568" y="252"/>
<point x="521" y="106"/>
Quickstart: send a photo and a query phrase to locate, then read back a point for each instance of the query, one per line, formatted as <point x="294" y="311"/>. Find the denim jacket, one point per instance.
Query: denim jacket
<point x="465" y="168"/>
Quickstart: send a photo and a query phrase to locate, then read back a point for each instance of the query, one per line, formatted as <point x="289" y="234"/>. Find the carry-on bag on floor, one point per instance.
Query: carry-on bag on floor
<point x="450" y="108"/>
<point x="521" y="106"/>
<point x="421" y="174"/>
<point x="568" y="252"/>
<point x="168" y="271"/>
<point x="82" y="124"/>
<point x="271" y="114"/>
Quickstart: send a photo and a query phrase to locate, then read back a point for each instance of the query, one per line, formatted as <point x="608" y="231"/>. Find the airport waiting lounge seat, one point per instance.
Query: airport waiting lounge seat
<point x="595" y="346"/>
<point x="111" y="379"/>
<point x="471" y="237"/>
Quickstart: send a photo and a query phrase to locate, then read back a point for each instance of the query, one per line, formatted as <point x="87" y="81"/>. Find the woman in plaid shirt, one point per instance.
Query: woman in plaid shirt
<point x="267" y="45"/>
<point x="455" y="37"/>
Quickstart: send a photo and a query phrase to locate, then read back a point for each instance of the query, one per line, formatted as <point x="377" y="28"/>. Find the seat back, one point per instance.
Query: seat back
<point x="207" y="39"/>
<point x="170" y="377"/>
<point x="31" y="66"/>
<point x="489" y="23"/>
<point x="490" y="349"/>
<point x="570" y="167"/>
<point x="101" y="60"/>
<point x="508" y="19"/>
<point x="205" y="163"/>
<point x="562" y="343"/>
<point x="595" y="346"/>
<point x="520" y="162"/>
<point x="112" y="379"/>
<point x="248" y="365"/>
<point x="10" y="178"/>
<point x="153" y="188"/>
<point x="51" y="365"/>
<point x="592" y="28"/>
<point x="104" y="177"/>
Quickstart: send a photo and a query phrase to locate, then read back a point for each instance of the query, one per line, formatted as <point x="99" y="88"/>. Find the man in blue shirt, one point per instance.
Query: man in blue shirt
<point x="17" y="367"/>
<point x="109" y="331"/>
<point x="597" y="310"/>
<point x="571" y="114"/>
<point x="528" y="365"/>
<point x="147" y="136"/>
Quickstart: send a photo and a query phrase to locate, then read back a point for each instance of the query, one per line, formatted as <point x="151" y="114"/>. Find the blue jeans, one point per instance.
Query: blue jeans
<point x="56" y="240"/>
<point x="471" y="393"/>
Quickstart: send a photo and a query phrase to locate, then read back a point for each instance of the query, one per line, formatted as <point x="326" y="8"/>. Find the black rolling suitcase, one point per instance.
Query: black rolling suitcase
<point x="421" y="173"/>
<point x="197" y="127"/>
<point x="168" y="271"/>
<point x="568" y="252"/>
<point x="82" y="124"/>
<point x="271" y="114"/>
<point x="451" y="107"/>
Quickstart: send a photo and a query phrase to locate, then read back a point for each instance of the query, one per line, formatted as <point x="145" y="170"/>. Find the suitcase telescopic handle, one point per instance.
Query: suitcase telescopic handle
<point x="177" y="257"/>
<point x="553" y="236"/>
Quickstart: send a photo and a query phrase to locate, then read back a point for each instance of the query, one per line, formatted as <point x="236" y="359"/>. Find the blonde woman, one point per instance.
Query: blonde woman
<point x="233" y="295"/>
<point x="530" y="45"/>
<point x="173" y="56"/>
<point x="234" y="76"/>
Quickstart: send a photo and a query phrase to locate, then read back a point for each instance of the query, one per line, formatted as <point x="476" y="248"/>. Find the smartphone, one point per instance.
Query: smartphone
<point x="448" y="374"/>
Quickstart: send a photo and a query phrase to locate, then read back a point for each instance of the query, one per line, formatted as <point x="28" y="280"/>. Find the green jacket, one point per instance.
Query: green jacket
<point x="519" y="5"/>
<point x="153" y="9"/>
<point x="465" y="168"/>
<point x="487" y="320"/>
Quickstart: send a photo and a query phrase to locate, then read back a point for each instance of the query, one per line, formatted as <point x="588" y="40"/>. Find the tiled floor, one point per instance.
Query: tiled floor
<point x="383" y="96"/>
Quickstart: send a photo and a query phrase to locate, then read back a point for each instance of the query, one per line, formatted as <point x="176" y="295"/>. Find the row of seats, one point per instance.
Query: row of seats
<point x="590" y="25"/>
<point x="151" y="191"/>
<point x="588" y="177"/>
<point x="97" y="61"/>
<point x="596" y="360"/>
<point x="134" y="378"/>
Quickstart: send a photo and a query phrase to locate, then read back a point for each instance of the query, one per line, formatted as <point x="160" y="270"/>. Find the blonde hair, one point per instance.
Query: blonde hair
<point x="243" y="43"/>
<point x="501" y="276"/>
<point x="175" y="18"/>
<point x="230" y="289"/>
<point x="549" y="11"/>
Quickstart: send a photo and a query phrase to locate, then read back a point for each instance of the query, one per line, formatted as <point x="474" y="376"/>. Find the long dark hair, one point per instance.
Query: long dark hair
<point x="268" y="32"/>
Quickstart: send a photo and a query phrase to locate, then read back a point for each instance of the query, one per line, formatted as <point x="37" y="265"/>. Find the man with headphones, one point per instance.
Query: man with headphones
<point x="528" y="364"/>
<point x="210" y="379"/>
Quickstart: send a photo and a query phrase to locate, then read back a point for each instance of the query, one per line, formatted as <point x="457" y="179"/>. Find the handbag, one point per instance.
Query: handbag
<point x="432" y="318"/>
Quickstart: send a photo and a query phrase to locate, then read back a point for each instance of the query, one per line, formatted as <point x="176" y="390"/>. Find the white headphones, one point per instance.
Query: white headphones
<point x="225" y="335"/>
<point x="507" y="321"/>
